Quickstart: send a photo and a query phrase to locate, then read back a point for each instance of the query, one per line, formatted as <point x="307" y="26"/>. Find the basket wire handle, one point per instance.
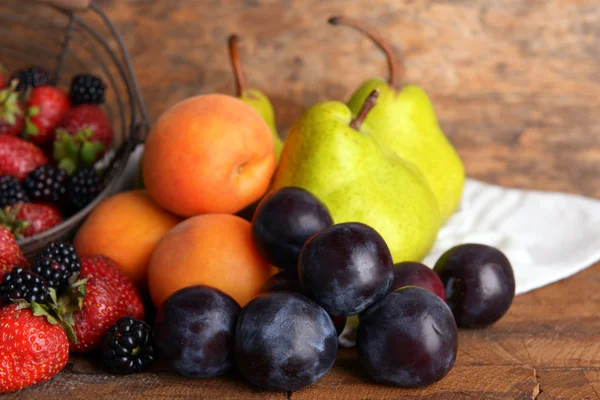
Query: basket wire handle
<point x="69" y="5"/>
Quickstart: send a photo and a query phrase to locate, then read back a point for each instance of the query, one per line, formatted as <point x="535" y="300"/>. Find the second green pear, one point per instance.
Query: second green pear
<point x="359" y="180"/>
<point x="254" y="97"/>
<point x="260" y="102"/>
<point x="404" y="121"/>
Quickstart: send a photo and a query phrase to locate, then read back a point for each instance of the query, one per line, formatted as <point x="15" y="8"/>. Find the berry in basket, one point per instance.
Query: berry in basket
<point x="31" y="77"/>
<point x="28" y="219"/>
<point x="47" y="106"/>
<point x="83" y="138"/>
<point x="18" y="157"/>
<point x="86" y="89"/>
<point x="12" y="118"/>
<point x="11" y="191"/>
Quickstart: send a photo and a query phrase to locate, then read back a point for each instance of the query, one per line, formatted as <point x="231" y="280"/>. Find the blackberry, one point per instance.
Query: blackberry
<point x="85" y="186"/>
<point x="86" y="89"/>
<point x="56" y="263"/>
<point x="31" y="77"/>
<point x="21" y="283"/>
<point x="127" y="347"/>
<point x="11" y="191"/>
<point x="47" y="184"/>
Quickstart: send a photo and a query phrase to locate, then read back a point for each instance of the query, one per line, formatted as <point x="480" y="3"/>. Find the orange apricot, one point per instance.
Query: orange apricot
<point x="210" y="249"/>
<point x="208" y="154"/>
<point x="125" y="227"/>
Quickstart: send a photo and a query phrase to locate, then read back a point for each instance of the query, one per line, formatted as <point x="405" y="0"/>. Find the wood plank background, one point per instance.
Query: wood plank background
<point x="516" y="85"/>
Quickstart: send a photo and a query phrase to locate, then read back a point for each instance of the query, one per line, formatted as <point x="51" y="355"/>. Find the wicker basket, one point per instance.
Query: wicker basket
<point x="67" y="37"/>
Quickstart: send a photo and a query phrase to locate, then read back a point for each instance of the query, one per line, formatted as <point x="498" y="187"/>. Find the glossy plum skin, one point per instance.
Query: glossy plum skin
<point x="479" y="282"/>
<point x="409" y="339"/>
<point x="195" y="331"/>
<point x="283" y="281"/>
<point x="283" y="221"/>
<point x="346" y="268"/>
<point x="417" y="274"/>
<point x="288" y="282"/>
<point x="284" y="342"/>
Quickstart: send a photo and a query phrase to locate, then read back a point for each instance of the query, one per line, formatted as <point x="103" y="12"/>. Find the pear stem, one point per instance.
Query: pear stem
<point x="394" y="68"/>
<point x="367" y="106"/>
<point x="234" y="55"/>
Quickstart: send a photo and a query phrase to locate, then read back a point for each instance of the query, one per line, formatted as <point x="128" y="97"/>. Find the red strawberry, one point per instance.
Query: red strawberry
<point x="47" y="106"/>
<point x="19" y="157"/>
<point x="12" y="118"/>
<point x="28" y="219"/>
<point x="85" y="135"/>
<point x="101" y="308"/>
<point x="108" y="269"/>
<point x="32" y="349"/>
<point x="10" y="252"/>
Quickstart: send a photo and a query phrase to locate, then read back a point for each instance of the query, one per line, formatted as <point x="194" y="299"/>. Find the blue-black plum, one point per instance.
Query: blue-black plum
<point x="284" y="341"/>
<point x="283" y="222"/>
<point x="285" y="281"/>
<point x="346" y="268"/>
<point x="195" y="331"/>
<point x="416" y="274"/>
<point x="409" y="339"/>
<point x="479" y="283"/>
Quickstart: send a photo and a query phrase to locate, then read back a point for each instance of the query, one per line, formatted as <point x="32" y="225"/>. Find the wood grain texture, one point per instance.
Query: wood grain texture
<point x="516" y="85"/>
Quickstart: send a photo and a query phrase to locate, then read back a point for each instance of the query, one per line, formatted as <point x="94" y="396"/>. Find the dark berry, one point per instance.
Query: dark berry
<point x="85" y="186"/>
<point x="22" y="283"/>
<point x="408" y="339"/>
<point x="87" y="89"/>
<point x="31" y="77"/>
<point x="194" y="331"/>
<point x="410" y="273"/>
<point x="128" y="347"/>
<point x="284" y="341"/>
<point x="479" y="282"/>
<point x="11" y="191"/>
<point x="47" y="184"/>
<point x="56" y="263"/>
<point x="346" y="268"/>
<point x="283" y="221"/>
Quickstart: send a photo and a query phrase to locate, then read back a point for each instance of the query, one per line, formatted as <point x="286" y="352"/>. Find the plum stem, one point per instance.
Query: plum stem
<point x="234" y="55"/>
<point x="394" y="68"/>
<point x="367" y="106"/>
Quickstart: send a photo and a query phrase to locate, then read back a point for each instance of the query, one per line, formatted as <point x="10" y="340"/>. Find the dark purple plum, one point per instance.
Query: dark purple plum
<point x="283" y="221"/>
<point x="409" y="339"/>
<point x="479" y="283"/>
<point x="195" y="331"/>
<point x="284" y="342"/>
<point x="417" y="274"/>
<point x="288" y="282"/>
<point x="346" y="268"/>
<point x="283" y="281"/>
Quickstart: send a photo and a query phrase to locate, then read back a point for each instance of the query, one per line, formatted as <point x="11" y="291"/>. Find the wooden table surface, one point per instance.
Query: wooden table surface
<point x="516" y="85"/>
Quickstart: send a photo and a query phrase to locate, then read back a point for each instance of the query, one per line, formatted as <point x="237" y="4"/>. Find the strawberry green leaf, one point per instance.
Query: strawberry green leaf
<point x="90" y="152"/>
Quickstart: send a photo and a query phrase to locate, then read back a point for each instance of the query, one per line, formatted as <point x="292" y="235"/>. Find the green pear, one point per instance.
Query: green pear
<point x="337" y="158"/>
<point x="404" y="121"/>
<point x="254" y="97"/>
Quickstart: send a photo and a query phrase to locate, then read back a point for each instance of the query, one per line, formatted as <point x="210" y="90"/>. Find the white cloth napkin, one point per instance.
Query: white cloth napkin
<point x="547" y="236"/>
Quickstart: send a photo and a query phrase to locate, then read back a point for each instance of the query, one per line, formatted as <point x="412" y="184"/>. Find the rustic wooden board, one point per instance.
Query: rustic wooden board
<point x="516" y="85"/>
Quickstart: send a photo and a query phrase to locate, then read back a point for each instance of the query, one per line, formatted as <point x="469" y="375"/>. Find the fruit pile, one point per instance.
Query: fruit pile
<point x="336" y="219"/>
<point x="49" y="143"/>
